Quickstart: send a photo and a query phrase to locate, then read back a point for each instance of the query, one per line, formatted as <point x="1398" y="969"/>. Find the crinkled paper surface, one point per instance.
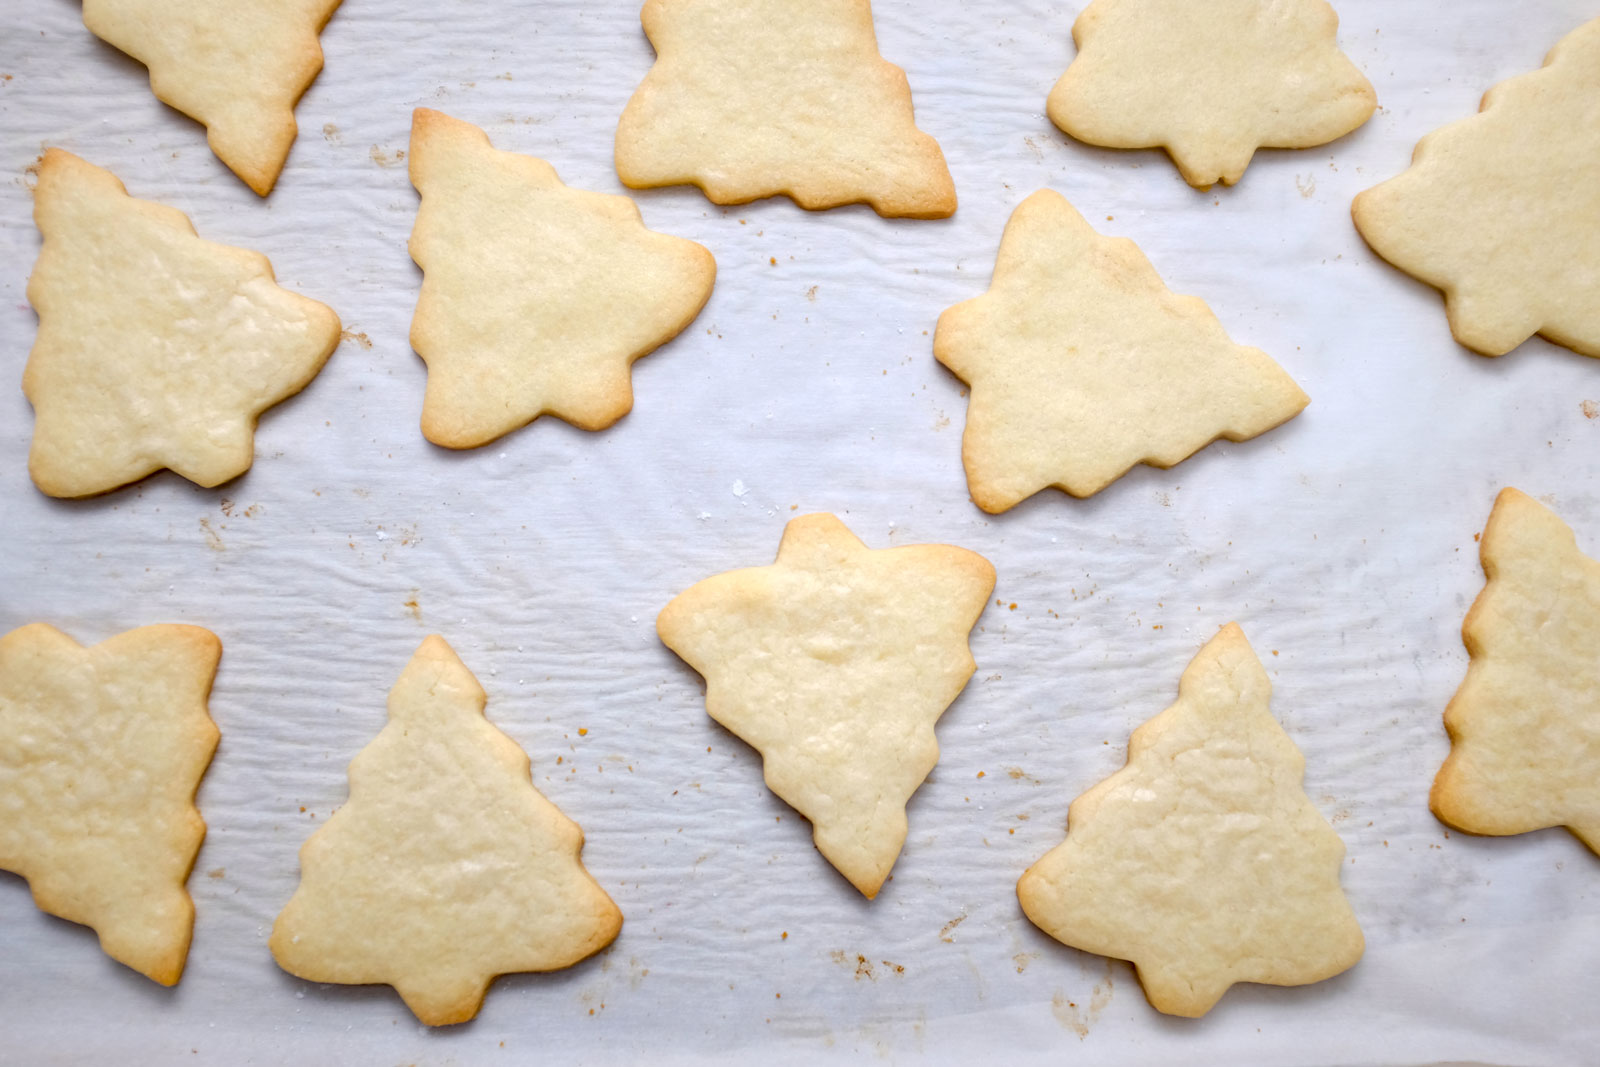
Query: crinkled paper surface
<point x="1342" y="542"/>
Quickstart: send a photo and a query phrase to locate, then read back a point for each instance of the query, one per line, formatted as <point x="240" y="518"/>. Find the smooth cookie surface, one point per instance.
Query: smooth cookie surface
<point x="536" y="297"/>
<point x="1501" y="211"/>
<point x="238" y="68"/>
<point x="446" y="867"/>
<point x="1210" y="82"/>
<point x="1082" y="363"/>
<point x="1525" y="723"/>
<point x="755" y="98"/>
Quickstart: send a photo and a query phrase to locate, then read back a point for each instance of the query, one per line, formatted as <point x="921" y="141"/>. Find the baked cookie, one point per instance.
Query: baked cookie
<point x="834" y="663"/>
<point x="536" y="297"/>
<point x="1082" y="363"/>
<point x="1203" y="861"/>
<point x="1525" y="724"/>
<point x="155" y="348"/>
<point x="239" y="68"/>
<point x="1209" y="82"/>
<point x="1501" y="211"/>
<point x="754" y="98"/>
<point x="101" y="753"/>
<point x="446" y="867"/>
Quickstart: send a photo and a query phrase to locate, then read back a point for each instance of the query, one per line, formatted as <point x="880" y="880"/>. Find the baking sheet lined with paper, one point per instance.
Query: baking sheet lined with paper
<point x="1343" y="542"/>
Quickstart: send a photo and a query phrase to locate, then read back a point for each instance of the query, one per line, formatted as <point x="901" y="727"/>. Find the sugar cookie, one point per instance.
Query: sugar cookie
<point x="238" y="68"/>
<point x="1203" y="861"/>
<point x="1209" y="82"/>
<point x="1525" y="724"/>
<point x="1501" y="211"/>
<point x="1082" y="364"/>
<point x="101" y="753"/>
<point x="754" y="98"/>
<point x="446" y="867"/>
<point x="834" y="663"/>
<point x="155" y="348"/>
<point x="536" y="297"/>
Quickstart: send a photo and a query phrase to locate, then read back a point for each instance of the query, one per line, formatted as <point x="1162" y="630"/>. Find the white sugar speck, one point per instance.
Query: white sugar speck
<point x="739" y="488"/>
<point x="382" y="536"/>
<point x="703" y="516"/>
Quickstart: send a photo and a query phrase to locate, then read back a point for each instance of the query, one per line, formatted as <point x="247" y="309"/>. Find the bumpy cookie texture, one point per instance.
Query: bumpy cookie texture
<point x="1202" y="861"/>
<point x="834" y="663"/>
<point x="237" y="67"/>
<point x="446" y="867"/>
<point x="754" y="98"/>
<point x="536" y="298"/>
<point x="1209" y="82"/>
<point x="1082" y="364"/>
<point x="155" y="348"/>
<point x="1501" y="211"/>
<point x="101" y="752"/>
<point x="1525" y="724"/>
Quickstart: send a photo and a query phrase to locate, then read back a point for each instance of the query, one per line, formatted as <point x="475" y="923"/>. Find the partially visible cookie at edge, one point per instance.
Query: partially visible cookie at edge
<point x="1501" y="211"/>
<point x="101" y="753"/>
<point x="237" y="68"/>
<point x="1209" y="82"/>
<point x="1525" y="723"/>
<point x="756" y="98"/>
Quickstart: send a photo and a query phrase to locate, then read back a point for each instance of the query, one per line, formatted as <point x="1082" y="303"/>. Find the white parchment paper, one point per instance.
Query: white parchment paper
<point x="1342" y="542"/>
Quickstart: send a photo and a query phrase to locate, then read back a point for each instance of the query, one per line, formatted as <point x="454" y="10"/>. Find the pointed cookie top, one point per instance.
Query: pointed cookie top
<point x="1209" y="82"/>
<point x="1082" y="363"/>
<point x="536" y="297"/>
<point x="237" y="68"/>
<point x="155" y="348"/>
<point x="1203" y="861"/>
<point x="1501" y="211"/>
<point x="446" y="867"/>
<point x="834" y="663"/>
<point x="1525" y="724"/>
<point x="101" y="752"/>
<point x="755" y="98"/>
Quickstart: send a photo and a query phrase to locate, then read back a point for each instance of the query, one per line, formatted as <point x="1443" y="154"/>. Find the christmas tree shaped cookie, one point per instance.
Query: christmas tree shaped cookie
<point x="155" y="348"/>
<point x="1202" y="860"/>
<point x="1525" y="724"/>
<point x="101" y="752"/>
<point x="1209" y="82"/>
<point x="446" y="867"/>
<point x="754" y="98"/>
<point x="1501" y="211"/>
<point x="537" y="298"/>
<point x="834" y="663"/>
<point x="1082" y="364"/>
<point x="238" y="68"/>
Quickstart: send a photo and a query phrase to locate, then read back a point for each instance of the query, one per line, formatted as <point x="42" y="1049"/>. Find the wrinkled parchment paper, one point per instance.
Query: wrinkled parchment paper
<point x="1342" y="542"/>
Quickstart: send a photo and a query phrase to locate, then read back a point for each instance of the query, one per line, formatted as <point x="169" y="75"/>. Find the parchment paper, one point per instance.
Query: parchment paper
<point x="1342" y="542"/>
